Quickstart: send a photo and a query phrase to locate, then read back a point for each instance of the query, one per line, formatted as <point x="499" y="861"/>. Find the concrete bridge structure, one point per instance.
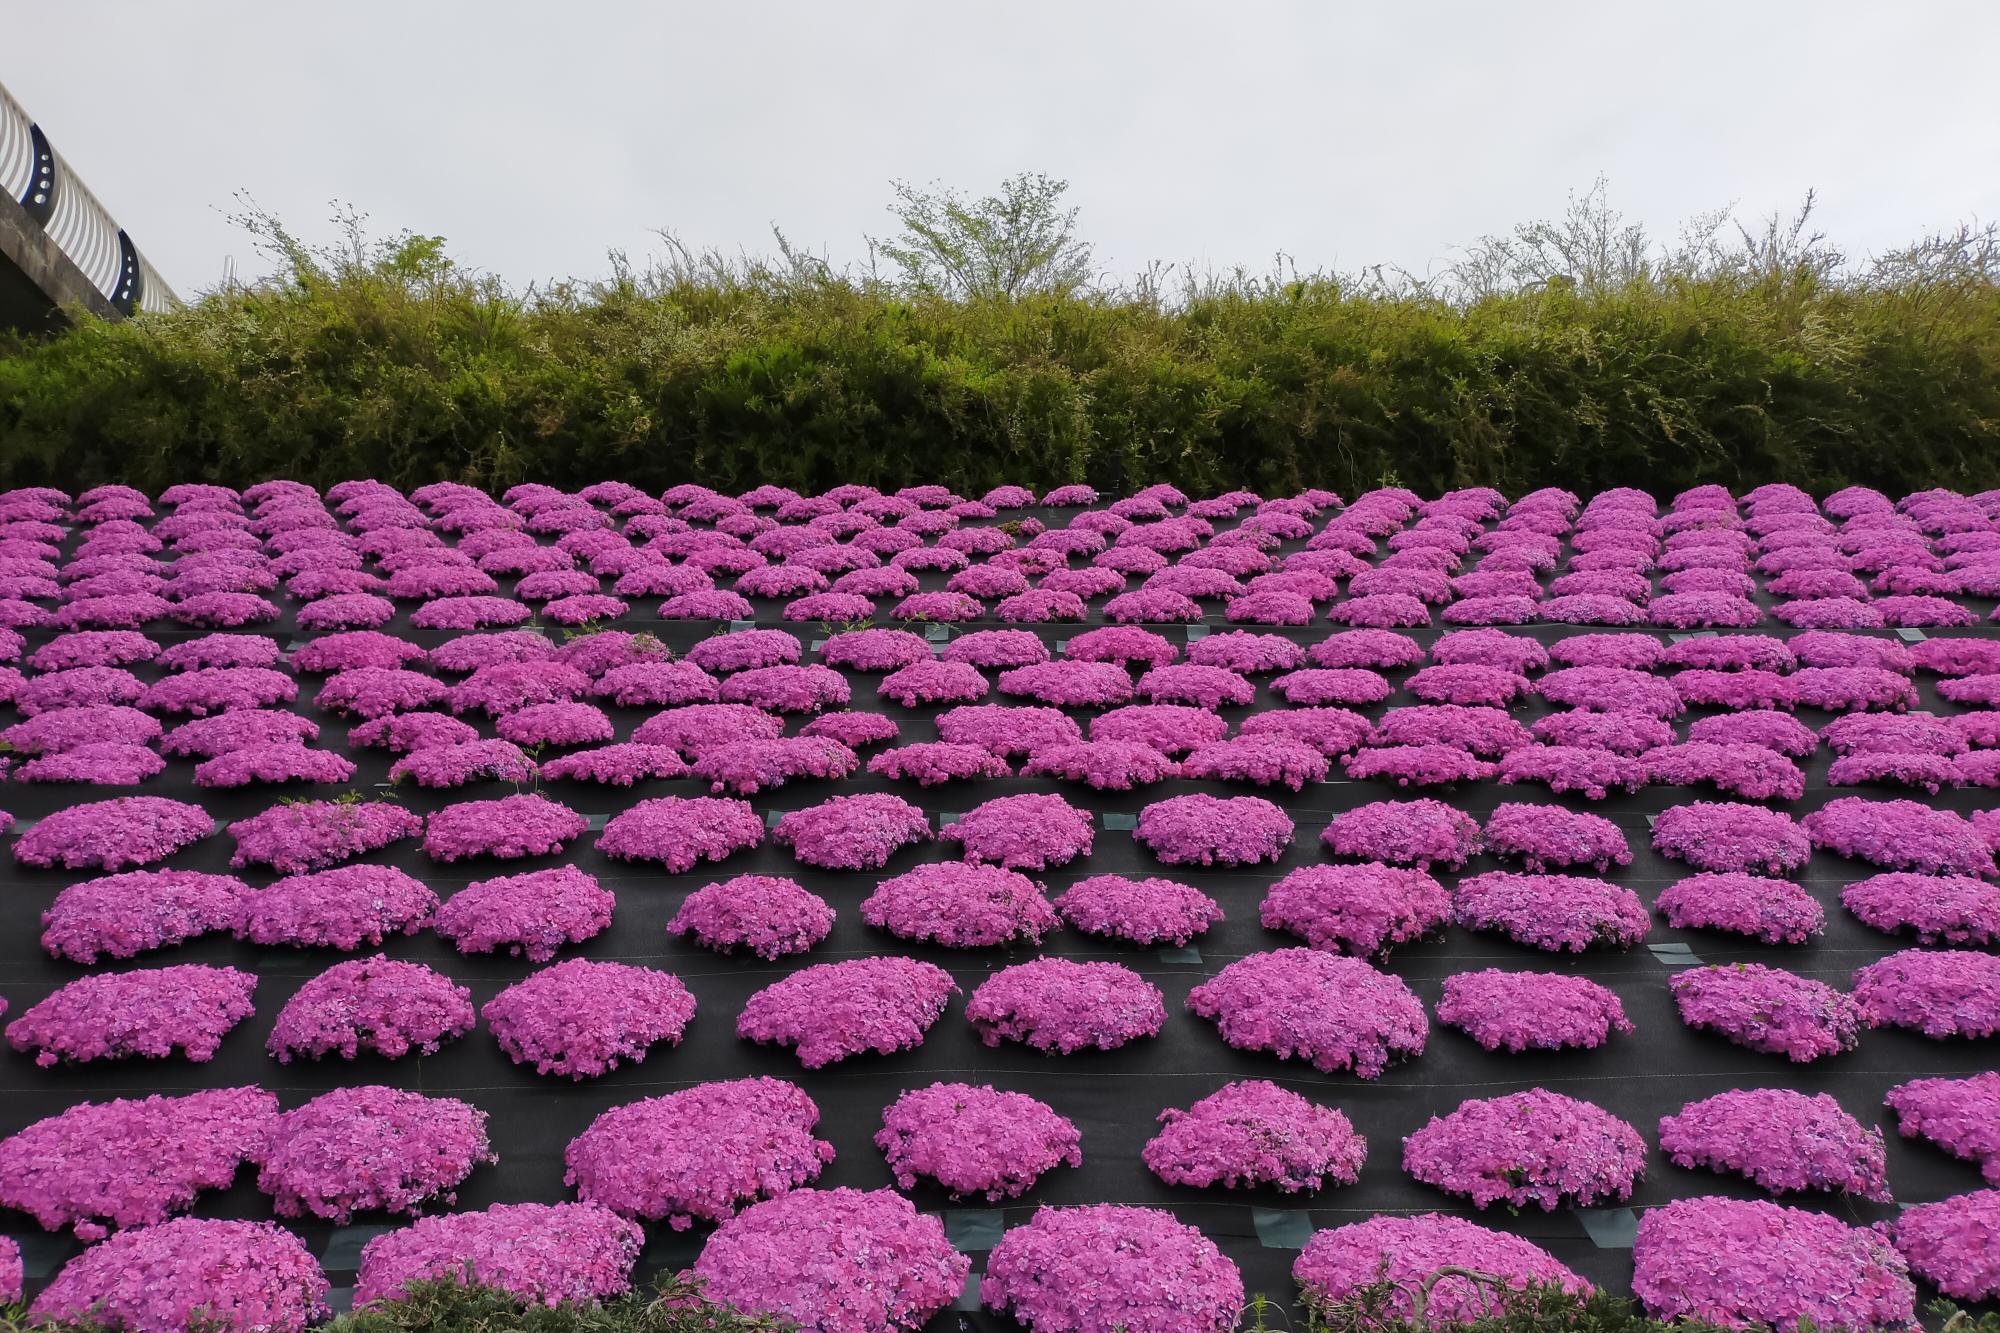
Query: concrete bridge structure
<point x="60" y="250"/>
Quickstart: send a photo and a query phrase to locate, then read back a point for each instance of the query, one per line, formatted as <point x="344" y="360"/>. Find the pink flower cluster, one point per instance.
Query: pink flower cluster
<point x="583" y="1018"/>
<point x="542" y="1254"/>
<point x="1523" y="1011"/>
<point x="532" y="915"/>
<point x="1254" y="1133"/>
<point x="190" y="1272"/>
<point x="831" y="1011"/>
<point x="152" y="1014"/>
<point x="769" y="916"/>
<point x="841" y="1261"/>
<point x="1937" y="992"/>
<point x="1536" y="1147"/>
<point x="381" y="1005"/>
<point x="104" y="1166"/>
<point x="369" y="1148"/>
<point x="1408" y="1252"/>
<point x="347" y="908"/>
<point x="118" y="916"/>
<point x="961" y="905"/>
<point x="1412" y="833"/>
<point x="1143" y="911"/>
<point x="1959" y="1115"/>
<point x="1783" y="1140"/>
<point x="1768" y="1009"/>
<point x="1365" y="910"/>
<point x="1108" y="1266"/>
<point x="1060" y="1005"/>
<point x="975" y="1140"/>
<point x="1750" y="1263"/>
<point x="1775" y="911"/>
<point x="1334" y="1013"/>
<point x="701" y="1153"/>
<point x="1555" y="912"/>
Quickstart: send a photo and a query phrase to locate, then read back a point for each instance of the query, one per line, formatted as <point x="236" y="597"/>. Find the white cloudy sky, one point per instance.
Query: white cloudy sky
<point x="536" y="136"/>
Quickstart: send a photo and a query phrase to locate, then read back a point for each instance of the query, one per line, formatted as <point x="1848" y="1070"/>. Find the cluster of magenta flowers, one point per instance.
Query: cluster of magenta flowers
<point x="274" y="637"/>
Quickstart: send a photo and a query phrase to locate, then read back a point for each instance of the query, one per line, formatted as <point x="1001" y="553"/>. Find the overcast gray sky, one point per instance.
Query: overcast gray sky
<point x="536" y="136"/>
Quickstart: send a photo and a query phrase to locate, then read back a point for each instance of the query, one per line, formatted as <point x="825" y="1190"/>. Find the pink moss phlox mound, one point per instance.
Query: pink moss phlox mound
<point x="1145" y="912"/>
<point x="346" y="908"/>
<point x="1783" y="1140"/>
<point x="769" y="916"/>
<point x="1768" y="1009"/>
<point x="1104" y="765"/>
<point x="1780" y="732"/>
<point x="1365" y="910"/>
<point x="192" y="1272"/>
<point x="310" y="835"/>
<point x="369" y="1149"/>
<point x="1536" y="1147"/>
<point x="506" y="829"/>
<point x="1332" y="1012"/>
<point x="1105" y="1267"/>
<point x="583" y="1018"/>
<point x="213" y="737"/>
<point x="1550" y="837"/>
<point x="1415" y="833"/>
<point x="837" y="1261"/>
<point x="1418" y="765"/>
<point x="961" y="905"/>
<point x="100" y="1167"/>
<point x="1028" y="832"/>
<point x="831" y="1011"/>
<point x="932" y="763"/>
<point x="1938" y="992"/>
<point x="704" y="1152"/>
<point x="1212" y="830"/>
<point x="852" y="832"/>
<point x="1266" y="760"/>
<point x="380" y="1005"/>
<point x="119" y="916"/>
<point x="1775" y="911"/>
<point x="1339" y="1263"/>
<point x="1172" y="729"/>
<point x="111" y="835"/>
<point x="1900" y="835"/>
<point x="1254" y="1133"/>
<point x="1748" y="1263"/>
<point x="680" y="832"/>
<point x="1729" y="836"/>
<point x="1937" y="909"/>
<point x="1954" y="1244"/>
<point x="1524" y="1011"/>
<point x="928" y="683"/>
<point x="154" y="1013"/>
<point x="532" y="915"/>
<point x="399" y="733"/>
<point x="622" y="765"/>
<point x="1590" y="772"/>
<point x="1555" y="912"/>
<point x="1061" y="1006"/>
<point x="695" y="727"/>
<point x="1961" y="1116"/>
<point x="975" y="1140"/>
<point x="543" y="1254"/>
<point x="1010" y="732"/>
<point x="1749" y="771"/>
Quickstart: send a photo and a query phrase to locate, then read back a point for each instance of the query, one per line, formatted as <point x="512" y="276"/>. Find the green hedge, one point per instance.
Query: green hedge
<point x="673" y="1307"/>
<point x="407" y="369"/>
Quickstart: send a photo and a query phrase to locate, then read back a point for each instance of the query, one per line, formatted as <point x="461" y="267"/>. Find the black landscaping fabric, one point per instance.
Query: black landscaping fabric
<point x="1113" y="1097"/>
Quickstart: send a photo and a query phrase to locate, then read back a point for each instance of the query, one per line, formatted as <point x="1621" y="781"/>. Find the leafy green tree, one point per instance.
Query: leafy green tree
<point x="1018" y="242"/>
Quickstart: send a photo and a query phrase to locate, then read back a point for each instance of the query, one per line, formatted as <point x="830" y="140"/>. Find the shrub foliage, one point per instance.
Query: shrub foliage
<point x="1563" y="354"/>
